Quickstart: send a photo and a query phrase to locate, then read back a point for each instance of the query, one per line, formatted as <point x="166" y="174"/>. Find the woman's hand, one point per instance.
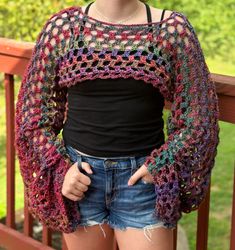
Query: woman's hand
<point x="76" y="183"/>
<point x="143" y="173"/>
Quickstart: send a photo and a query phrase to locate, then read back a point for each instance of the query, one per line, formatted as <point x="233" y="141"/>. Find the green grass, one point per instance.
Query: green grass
<point x="221" y="194"/>
<point x="221" y="181"/>
<point x="18" y="180"/>
<point x="219" y="67"/>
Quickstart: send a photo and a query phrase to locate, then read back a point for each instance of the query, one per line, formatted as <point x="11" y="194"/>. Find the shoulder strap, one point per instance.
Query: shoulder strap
<point x="149" y="14"/>
<point x="148" y="11"/>
<point x="87" y="7"/>
<point x="163" y="12"/>
<point x="86" y="12"/>
<point x="149" y="17"/>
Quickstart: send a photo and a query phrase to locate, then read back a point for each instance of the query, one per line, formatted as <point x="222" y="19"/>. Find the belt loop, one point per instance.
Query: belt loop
<point x="133" y="163"/>
<point x="79" y="161"/>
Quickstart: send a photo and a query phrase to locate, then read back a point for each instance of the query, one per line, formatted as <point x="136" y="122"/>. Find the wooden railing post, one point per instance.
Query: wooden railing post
<point x="28" y="220"/>
<point x="203" y="222"/>
<point x="14" y="57"/>
<point x="232" y="236"/>
<point x="10" y="150"/>
<point x="64" y="246"/>
<point x="46" y="236"/>
<point x="175" y="238"/>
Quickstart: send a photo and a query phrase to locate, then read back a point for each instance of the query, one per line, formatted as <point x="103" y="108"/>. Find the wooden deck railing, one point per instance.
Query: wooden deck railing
<point x="14" y="57"/>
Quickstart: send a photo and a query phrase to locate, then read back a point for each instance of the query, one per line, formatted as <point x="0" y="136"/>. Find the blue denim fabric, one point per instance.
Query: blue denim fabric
<point x="110" y="200"/>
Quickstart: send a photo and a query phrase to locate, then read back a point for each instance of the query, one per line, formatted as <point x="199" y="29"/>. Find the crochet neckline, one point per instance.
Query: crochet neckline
<point x="116" y="25"/>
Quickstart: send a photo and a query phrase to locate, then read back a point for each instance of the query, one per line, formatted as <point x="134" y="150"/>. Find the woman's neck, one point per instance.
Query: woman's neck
<point x="117" y="9"/>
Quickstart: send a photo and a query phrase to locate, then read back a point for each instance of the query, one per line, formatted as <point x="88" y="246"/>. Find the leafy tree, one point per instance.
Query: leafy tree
<point x="213" y="20"/>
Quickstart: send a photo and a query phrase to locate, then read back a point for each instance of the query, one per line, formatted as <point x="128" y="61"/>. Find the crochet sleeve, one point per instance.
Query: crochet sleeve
<point x="40" y="112"/>
<point x="181" y="167"/>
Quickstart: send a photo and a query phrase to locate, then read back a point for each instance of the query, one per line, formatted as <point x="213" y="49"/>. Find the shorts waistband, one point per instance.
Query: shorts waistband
<point x="105" y="157"/>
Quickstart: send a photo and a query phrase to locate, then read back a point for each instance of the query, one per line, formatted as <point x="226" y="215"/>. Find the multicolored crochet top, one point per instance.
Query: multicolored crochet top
<point x="67" y="52"/>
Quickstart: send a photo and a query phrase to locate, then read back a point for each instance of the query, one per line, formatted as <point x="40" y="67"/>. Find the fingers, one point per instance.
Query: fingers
<point x="81" y="187"/>
<point x="75" y="182"/>
<point x="76" y="189"/>
<point x="86" y="166"/>
<point x="84" y="179"/>
<point x="74" y="197"/>
<point x="138" y="174"/>
<point x="77" y="193"/>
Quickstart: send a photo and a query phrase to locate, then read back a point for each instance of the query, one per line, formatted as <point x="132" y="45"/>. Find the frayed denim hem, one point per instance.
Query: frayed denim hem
<point x="146" y="229"/>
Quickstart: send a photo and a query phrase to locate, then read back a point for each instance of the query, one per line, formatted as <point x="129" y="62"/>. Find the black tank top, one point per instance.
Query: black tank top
<point x="114" y="117"/>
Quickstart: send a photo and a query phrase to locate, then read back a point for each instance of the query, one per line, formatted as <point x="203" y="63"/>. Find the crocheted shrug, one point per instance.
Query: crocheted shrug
<point x="170" y="58"/>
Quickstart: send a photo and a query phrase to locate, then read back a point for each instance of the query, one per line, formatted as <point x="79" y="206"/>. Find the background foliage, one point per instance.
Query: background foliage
<point x="214" y="21"/>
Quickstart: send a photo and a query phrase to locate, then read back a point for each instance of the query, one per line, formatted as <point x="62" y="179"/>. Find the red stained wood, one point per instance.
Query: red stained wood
<point x="14" y="57"/>
<point x="10" y="150"/>
<point x="12" y="239"/>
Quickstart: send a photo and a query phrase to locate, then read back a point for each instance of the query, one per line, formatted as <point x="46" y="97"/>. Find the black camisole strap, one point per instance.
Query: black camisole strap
<point x="149" y="16"/>
<point x="163" y="11"/>
<point x="149" y="13"/>
<point x="86" y="12"/>
<point x="87" y="7"/>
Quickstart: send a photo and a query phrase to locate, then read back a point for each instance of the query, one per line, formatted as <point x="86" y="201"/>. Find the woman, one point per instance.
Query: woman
<point x="101" y="73"/>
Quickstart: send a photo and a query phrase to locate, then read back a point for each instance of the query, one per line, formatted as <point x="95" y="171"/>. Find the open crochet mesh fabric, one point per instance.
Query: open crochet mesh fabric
<point x="169" y="57"/>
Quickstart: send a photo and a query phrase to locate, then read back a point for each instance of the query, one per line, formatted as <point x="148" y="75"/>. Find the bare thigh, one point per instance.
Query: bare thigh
<point x="135" y="239"/>
<point x="90" y="238"/>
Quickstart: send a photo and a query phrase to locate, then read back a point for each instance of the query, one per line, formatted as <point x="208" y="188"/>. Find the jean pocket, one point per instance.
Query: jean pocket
<point x="146" y="182"/>
<point x="72" y="153"/>
<point x="138" y="163"/>
<point x="77" y="157"/>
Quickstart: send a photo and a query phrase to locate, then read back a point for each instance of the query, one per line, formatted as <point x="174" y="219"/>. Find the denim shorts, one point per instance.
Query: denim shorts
<point x="110" y="200"/>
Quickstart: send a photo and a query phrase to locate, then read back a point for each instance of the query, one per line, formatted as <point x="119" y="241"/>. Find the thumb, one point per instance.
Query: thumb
<point x="138" y="174"/>
<point x="86" y="166"/>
